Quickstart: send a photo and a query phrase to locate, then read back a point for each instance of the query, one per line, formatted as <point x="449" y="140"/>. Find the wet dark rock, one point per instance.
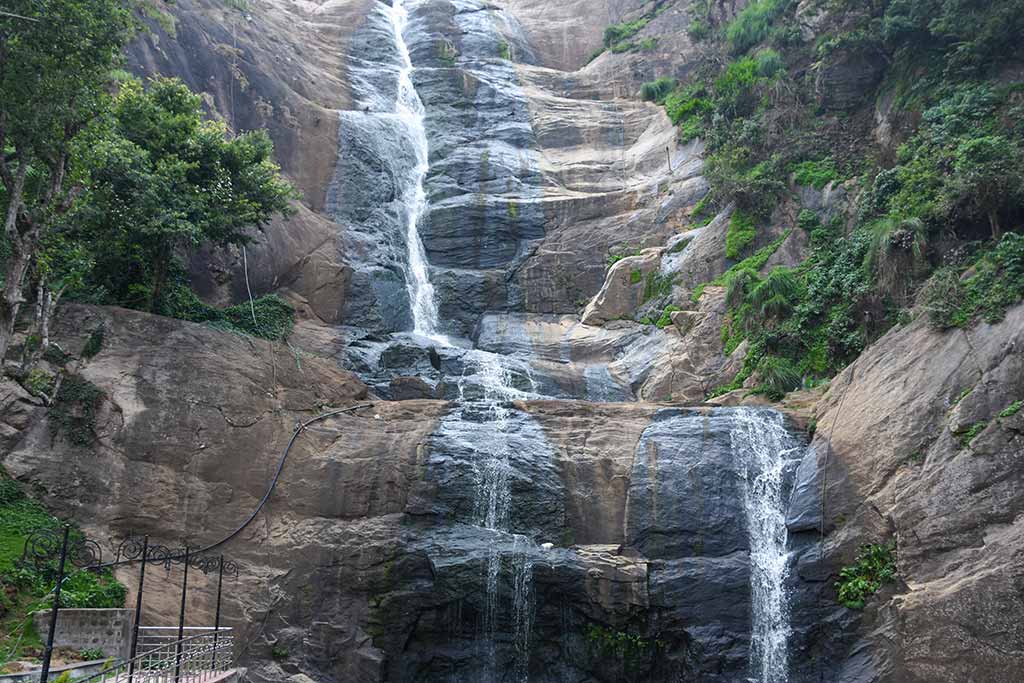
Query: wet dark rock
<point x="847" y="76"/>
<point x="409" y="388"/>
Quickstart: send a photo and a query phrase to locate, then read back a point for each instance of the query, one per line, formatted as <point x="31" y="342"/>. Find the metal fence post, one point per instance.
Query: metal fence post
<point x="181" y="620"/>
<point x="138" y="611"/>
<point x="216" y="618"/>
<point x="44" y="674"/>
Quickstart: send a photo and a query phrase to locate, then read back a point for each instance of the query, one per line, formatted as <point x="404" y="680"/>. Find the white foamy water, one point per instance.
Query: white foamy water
<point x="485" y="389"/>
<point x="409" y="109"/>
<point x="759" y="441"/>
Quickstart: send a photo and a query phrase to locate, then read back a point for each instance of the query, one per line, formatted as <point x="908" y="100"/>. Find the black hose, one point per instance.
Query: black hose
<point x="266" y="496"/>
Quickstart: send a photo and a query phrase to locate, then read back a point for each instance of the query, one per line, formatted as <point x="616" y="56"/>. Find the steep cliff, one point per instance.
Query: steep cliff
<point x="574" y="472"/>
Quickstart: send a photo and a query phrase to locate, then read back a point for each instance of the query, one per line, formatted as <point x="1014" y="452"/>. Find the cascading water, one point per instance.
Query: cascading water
<point x="522" y="604"/>
<point x="500" y="487"/>
<point x="493" y="387"/>
<point x="410" y="111"/>
<point x="759" y="441"/>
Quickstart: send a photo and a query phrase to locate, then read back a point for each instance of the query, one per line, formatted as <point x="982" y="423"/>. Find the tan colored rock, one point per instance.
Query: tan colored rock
<point x="566" y="34"/>
<point x="615" y="582"/>
<point x="623" y="289"/>
<point x="18" y="409"/>
<point x="594" y="443"/>
<point x="683" y="367"/>
<point x="685" y="320"/>
<point x="901" y="468"/>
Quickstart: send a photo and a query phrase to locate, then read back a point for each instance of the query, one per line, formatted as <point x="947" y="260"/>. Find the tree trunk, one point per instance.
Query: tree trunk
<point x="993" y="221"/>
<point x="160" y="269"/>
<point x="46" y="305"/>
<point x="24" y="227"/>
<point x="11" y="303"/>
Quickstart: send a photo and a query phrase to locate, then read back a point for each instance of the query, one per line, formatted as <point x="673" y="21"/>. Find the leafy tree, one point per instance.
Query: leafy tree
<point x="55" y="56"/>
<point x="988" y="178"/>
<point x="163" y="179"/>
<point x="972" y="35"/>
<point x="61" y="264"/>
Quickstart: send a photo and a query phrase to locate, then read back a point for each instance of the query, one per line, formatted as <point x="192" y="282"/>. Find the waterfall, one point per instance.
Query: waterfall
<point x="758" y="442"/>
<point x="522" y="605"/>
<point x="410" y="111"/>
<point x="494" y="381"/>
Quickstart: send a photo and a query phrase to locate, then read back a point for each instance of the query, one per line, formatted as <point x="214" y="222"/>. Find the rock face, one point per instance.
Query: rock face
<point x="541" y="495"/>
<point x="903" y="466"/>
<point x="371" y="562"/>
<point x="623" y="289"/>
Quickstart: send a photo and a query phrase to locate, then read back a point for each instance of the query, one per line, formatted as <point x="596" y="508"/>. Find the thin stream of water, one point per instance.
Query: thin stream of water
<point x="493" y="376"/>
<point x="410" y="111"/>
<point x="758" y="440"/>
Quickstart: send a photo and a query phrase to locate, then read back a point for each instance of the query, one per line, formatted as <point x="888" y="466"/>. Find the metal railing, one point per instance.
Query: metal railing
<point x="153" y="637"/>
<point x="193" y="659"/>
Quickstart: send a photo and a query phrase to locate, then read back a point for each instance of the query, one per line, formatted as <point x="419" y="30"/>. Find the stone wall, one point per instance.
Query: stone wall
<point x="108" y="630"/>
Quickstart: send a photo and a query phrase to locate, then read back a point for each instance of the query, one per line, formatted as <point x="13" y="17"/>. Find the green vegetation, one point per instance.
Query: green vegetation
<point x="617" y="35"/>
<point x="972" y="433"/>
<point x="94" y="343"/>
<point x="504" y="50"/>
<point x="666" y="316"/>
<point x="618" y="256"/>
<point x="73" y="414"/>
<point x="164" y="19"/>
<point x="753" y="24"/>
<point x="875" y="565"/>
<point x="447" y="54"/>
<point x="269" y="316"/>
<point x="1012" y="409"/>
<point x="680" y="245"/>
<point x="740" y="234"/>
<point x="39" y="383"/>
<point x="107" y="186"/>
<point x="635" y="276"/>
<point x="621" y="645"/>
<point x="657" y="90"/>
<point x="55" y="57"/>
<point x="647" y="44"/>
<point x="778" y="376"/>
<point x="279" y="653"/>
<point x="936" y="220"/>
<point x="996" y="282"/>
<point x="962" y="395"/>
<point x="751" y="264"/>
<point x="698" y="30"/>
<point x="26" y="588"/>
<point x="155" y="156"/>
<point x="816" y="174"/>
<point x="657" y="285"/>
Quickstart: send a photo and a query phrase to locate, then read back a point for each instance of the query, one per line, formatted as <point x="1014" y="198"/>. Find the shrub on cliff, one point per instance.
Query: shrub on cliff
<point x="995" y="283"/>
<point x="875" y="565"/>
<point x="162" y="179"/>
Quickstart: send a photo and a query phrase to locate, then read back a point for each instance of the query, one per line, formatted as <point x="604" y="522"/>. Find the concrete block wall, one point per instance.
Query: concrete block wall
<point x="108" y="630"/>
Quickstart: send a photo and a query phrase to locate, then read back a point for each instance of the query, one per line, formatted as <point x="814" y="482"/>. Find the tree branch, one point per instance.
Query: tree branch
<point x="5" y="170"/>
<point x="14" y="204"/>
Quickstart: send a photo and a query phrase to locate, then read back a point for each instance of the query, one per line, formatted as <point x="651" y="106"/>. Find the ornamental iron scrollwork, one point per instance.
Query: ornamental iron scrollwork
<point x="131" y="549"/>
<point x="43" y="546"/>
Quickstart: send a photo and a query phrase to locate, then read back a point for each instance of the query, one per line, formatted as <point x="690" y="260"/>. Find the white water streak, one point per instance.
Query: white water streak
<point x="758" y="440"/>
<point x="522" y="605"/>
<point x="411" y="113"/>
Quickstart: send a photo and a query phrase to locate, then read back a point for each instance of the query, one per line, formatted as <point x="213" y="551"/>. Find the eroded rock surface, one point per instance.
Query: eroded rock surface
<point x="903" y="467"/>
